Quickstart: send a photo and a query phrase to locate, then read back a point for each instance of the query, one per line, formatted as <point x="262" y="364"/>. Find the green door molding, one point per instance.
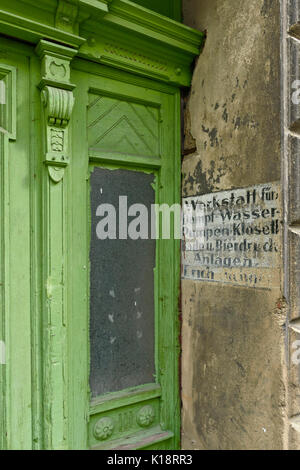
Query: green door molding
<point x="122" y="51"/>
<point x="120" y="413"/>
<point x="57" y="102"/>
<point x="118" y="33"/>
<point x="18" y="384"/>
<point x="170" y="8"/>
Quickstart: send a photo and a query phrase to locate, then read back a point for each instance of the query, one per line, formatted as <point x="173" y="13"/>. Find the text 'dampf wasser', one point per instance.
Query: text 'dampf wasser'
<point x="233" y="236"/>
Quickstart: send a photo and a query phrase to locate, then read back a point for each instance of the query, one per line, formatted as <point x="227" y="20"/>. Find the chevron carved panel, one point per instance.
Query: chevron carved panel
<point x="122" y="127"/>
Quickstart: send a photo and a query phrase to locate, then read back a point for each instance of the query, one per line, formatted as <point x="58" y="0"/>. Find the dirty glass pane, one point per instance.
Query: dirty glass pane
<point x="122" y="287"/>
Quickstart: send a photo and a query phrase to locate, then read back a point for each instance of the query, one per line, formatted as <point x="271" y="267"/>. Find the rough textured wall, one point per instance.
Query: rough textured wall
<point x="233" y="379"/>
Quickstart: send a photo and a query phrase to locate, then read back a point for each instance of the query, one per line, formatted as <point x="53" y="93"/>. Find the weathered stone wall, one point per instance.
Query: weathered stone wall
<point x="233" y="372"/>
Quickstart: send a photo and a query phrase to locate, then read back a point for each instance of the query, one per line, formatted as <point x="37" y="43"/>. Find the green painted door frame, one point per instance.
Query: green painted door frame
<point x="118" y="91"/>
<point x="66" y="53"/>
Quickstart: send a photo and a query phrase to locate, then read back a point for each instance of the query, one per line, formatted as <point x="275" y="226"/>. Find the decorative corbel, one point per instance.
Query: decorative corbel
<point x="70" y="14"/>
<point x="66" y="17"/>
<point x="57" y="100"/>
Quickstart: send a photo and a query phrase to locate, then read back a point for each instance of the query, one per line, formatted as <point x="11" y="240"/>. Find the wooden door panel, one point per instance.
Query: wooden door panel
<point x="120" y="126"/>
<point x="133" y="126"/>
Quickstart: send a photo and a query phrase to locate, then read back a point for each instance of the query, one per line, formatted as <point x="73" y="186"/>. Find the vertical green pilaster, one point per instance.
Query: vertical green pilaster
<point x="4" y="242"/>
<point x="57" y="100"/>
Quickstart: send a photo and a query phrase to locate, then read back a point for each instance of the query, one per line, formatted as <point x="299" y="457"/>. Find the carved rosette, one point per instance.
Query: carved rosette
<point x="145" y="416"/>
<point x="103" y="429"/>
<point x="58" y="101"/>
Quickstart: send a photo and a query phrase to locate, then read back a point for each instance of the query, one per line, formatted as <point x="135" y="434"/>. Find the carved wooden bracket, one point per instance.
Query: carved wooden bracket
<point x="66" y="17"/>
<point x="58" y="100"/>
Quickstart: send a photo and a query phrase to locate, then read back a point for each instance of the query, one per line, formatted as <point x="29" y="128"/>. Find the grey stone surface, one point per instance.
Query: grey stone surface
<point x="233" y="374"/>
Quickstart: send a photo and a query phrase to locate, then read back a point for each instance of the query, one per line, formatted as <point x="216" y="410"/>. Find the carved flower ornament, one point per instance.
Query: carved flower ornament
<point x="145" y="416"/>
<point x="103" y="429"/>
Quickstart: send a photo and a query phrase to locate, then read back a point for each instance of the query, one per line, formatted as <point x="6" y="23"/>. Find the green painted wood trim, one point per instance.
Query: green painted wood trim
<point x="169" y="8"/>
<point x="78" y="273"/>
<point x="90" y="77"/>
<point x="57" y="105"/>
<point x="125" y="398"/>
<point x="128" y="160"/>
<point x="8" y="73"/>
<point x="169" y="286"/>
<point x="9" y="76"/>
<point x="177" y="10"/>
<point x="36" y="209"/>
<point x="4" y="293"/>
<point x="17" y="227"/>
<point x="117" y="33"/>
<point x="176" y="111"/>
<point x="180" y="36"/>
<point x="138" y="441"/>
<point x="54" y="352"/>
<point x="20" y="27"/>
<point x="124" y="77"/>
<point x="61" y="310"/>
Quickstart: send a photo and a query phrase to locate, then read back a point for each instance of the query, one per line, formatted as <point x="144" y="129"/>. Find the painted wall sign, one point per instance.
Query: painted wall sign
<point x="233" y="236"/>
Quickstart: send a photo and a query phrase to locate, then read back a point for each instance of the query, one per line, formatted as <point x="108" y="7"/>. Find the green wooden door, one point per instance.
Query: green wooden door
<point x="123" y="298"/>
<point x="20" y="376"/>
<point x="89" y="328"/>
<point x="79" y="372"/>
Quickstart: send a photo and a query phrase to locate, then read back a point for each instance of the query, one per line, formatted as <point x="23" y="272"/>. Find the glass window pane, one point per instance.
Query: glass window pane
<point x="122" y="288"/>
